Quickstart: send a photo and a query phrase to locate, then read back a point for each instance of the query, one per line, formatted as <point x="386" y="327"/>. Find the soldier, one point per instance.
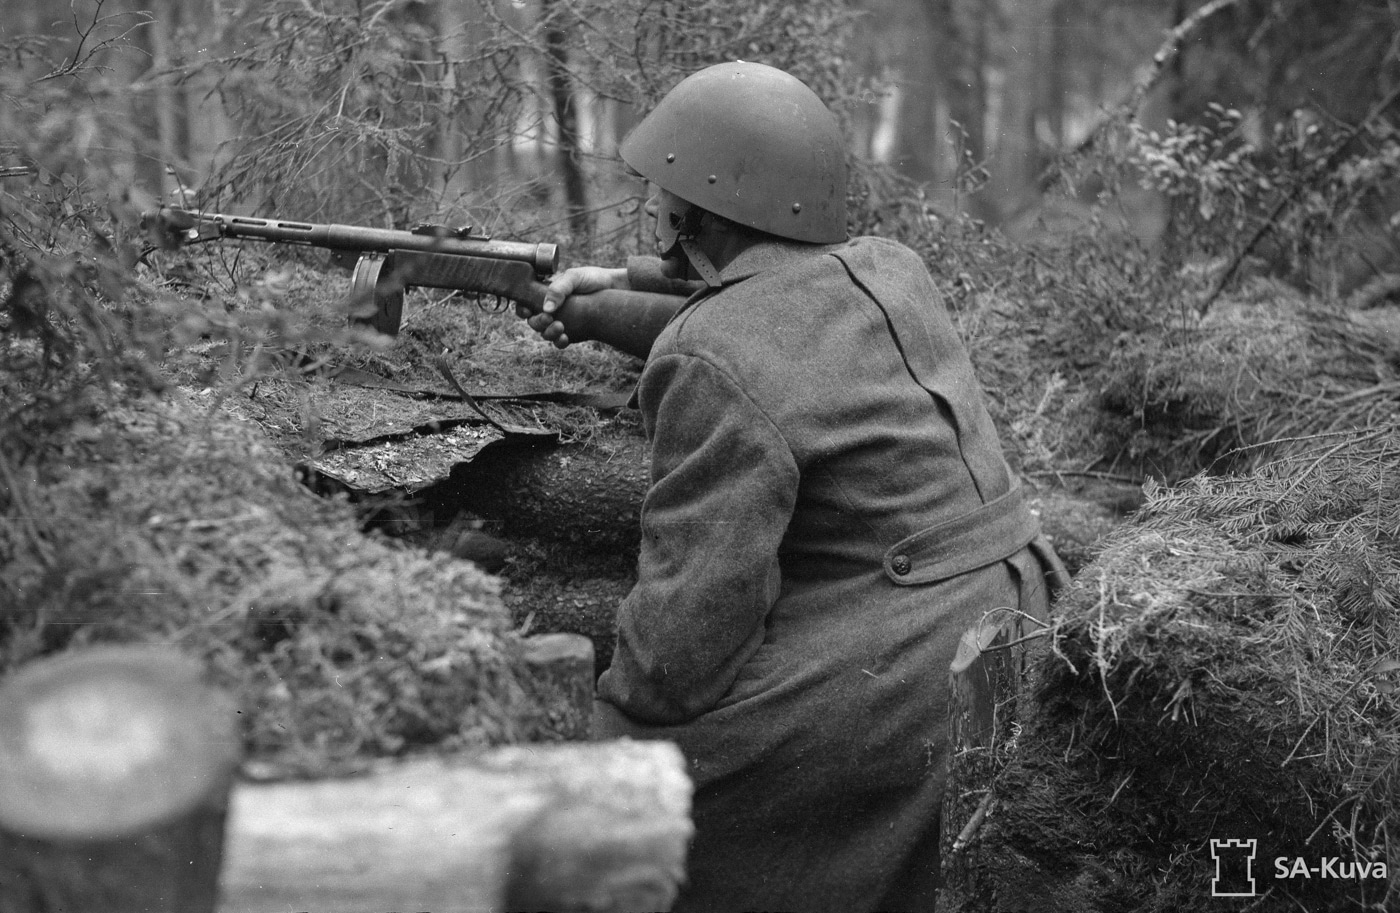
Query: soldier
<point x="829" y="512"/>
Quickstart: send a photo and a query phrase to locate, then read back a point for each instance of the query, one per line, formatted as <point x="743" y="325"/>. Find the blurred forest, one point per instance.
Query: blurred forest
<point x="509" y="112"/>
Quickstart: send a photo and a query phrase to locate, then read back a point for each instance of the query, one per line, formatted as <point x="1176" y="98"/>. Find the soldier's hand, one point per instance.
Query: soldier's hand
<point x="580" y="280"/>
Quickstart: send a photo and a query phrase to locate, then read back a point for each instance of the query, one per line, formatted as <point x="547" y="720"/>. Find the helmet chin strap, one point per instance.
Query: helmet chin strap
<point x="676" y="228"/>
<point x="698" y="259"/>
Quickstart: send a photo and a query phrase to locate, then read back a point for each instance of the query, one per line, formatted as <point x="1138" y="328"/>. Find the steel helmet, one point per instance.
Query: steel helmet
<point x="751" y="143"/>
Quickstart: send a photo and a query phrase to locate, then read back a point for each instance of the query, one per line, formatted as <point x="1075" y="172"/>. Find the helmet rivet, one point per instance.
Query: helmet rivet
<point x="796" y="207"/>
<point x="712" y="179"/>
<point x="670" y="157"/>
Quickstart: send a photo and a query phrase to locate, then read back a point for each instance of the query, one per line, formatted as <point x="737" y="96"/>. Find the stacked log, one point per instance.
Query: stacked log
<point x="583" y="498"/>
<point x="568" y="827"/>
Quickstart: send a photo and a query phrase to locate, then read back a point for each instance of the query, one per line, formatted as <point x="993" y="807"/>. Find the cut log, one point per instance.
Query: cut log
<point x="574" y="827"/>
<point x="115" y="769"/>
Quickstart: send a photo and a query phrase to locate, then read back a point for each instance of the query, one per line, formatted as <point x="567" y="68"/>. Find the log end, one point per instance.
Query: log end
<point x="110" y="741"/>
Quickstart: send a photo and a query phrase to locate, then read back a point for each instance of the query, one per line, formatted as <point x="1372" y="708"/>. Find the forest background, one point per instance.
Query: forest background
<point x="509" y="112"/>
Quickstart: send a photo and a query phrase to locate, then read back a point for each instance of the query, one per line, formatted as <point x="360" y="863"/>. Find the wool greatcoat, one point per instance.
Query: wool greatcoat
<point x="829" y="512"/>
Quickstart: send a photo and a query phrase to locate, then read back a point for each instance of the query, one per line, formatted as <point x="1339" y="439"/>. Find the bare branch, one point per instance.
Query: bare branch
<point x="82" y="54"/>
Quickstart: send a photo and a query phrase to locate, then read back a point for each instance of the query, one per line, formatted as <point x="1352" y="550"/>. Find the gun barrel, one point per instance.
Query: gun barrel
<point x="543" y="257"/>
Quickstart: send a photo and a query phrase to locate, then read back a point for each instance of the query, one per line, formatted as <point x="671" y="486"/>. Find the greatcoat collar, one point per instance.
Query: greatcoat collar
<point x="767" y="254"/>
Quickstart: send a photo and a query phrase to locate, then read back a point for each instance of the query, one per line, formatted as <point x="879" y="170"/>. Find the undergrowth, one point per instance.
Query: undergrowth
<point x="1225" y="669"/>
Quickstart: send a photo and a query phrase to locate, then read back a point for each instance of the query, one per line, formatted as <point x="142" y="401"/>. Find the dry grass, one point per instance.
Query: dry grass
<point x="1095" y="363"/>
<point x="1225" y="669"/>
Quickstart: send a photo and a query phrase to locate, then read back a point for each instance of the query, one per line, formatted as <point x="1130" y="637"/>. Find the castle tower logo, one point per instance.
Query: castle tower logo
<point x="1234" y="867"/>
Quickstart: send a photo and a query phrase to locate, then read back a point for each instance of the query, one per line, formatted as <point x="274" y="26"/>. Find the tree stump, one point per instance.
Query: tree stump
<point x="988" y="680"/>
<point x="597" y="827"/>
<point x="561" y="681"/>
<point x="115" y="769"/>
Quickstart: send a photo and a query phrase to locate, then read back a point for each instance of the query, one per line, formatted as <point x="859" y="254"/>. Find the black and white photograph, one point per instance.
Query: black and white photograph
<point x="700" y="456"/>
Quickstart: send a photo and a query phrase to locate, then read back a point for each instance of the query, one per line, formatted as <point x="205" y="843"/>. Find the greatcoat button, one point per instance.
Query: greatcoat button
<point x="901" y="564"/>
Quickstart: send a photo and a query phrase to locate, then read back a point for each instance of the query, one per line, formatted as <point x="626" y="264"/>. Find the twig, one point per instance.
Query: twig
<point x="1319" y="168"/>
<point x="1084" y="473"/>
<point x="1359" y="795"/>
<point x="974" y="824"/>
<point x="1034" y="635"/>
<point x="81" y="57"/>
<point x="1287" y="440"/>
<point x="1114" y="798"/>
<point x="1298" y="480"/>
<point x="1320" y="716"/>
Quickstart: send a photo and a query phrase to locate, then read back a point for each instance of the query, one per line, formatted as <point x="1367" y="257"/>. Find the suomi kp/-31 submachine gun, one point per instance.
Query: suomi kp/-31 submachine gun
<point x="388" y="262"/>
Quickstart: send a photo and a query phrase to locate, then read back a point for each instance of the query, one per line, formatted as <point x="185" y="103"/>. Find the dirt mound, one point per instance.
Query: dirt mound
<point x="166" y="520"/>
<point x="1225" y="670"/>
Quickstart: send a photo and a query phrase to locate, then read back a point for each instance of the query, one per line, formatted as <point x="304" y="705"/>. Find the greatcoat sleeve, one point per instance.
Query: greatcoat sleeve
<point x="724" y="483"/>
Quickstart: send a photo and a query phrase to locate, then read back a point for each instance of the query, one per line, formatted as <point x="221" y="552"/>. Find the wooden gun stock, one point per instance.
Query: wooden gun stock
<point x="628" y="321"/>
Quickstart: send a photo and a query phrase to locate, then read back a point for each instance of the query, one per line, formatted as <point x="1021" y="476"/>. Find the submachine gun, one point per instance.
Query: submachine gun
<point x="388" y="262"/>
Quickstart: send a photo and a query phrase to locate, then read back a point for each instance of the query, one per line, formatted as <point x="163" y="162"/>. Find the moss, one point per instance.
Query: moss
<point x="175" y="523"/>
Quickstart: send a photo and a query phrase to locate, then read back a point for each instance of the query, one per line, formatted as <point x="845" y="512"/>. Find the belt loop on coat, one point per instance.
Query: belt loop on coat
<point x="990" y="533"/>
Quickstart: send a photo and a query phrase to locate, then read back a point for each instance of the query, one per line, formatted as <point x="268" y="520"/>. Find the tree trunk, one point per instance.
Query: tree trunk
<point x="566" y="118"/>
<point x="1014" y="164"/>
<point x="144" y="115"/>
<point x="918" y="148"/>
<point x="115" y="769"/>
<point x="961" y="52"/>
<point x="172" y="140"/>
<point x="451" y="50"/>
